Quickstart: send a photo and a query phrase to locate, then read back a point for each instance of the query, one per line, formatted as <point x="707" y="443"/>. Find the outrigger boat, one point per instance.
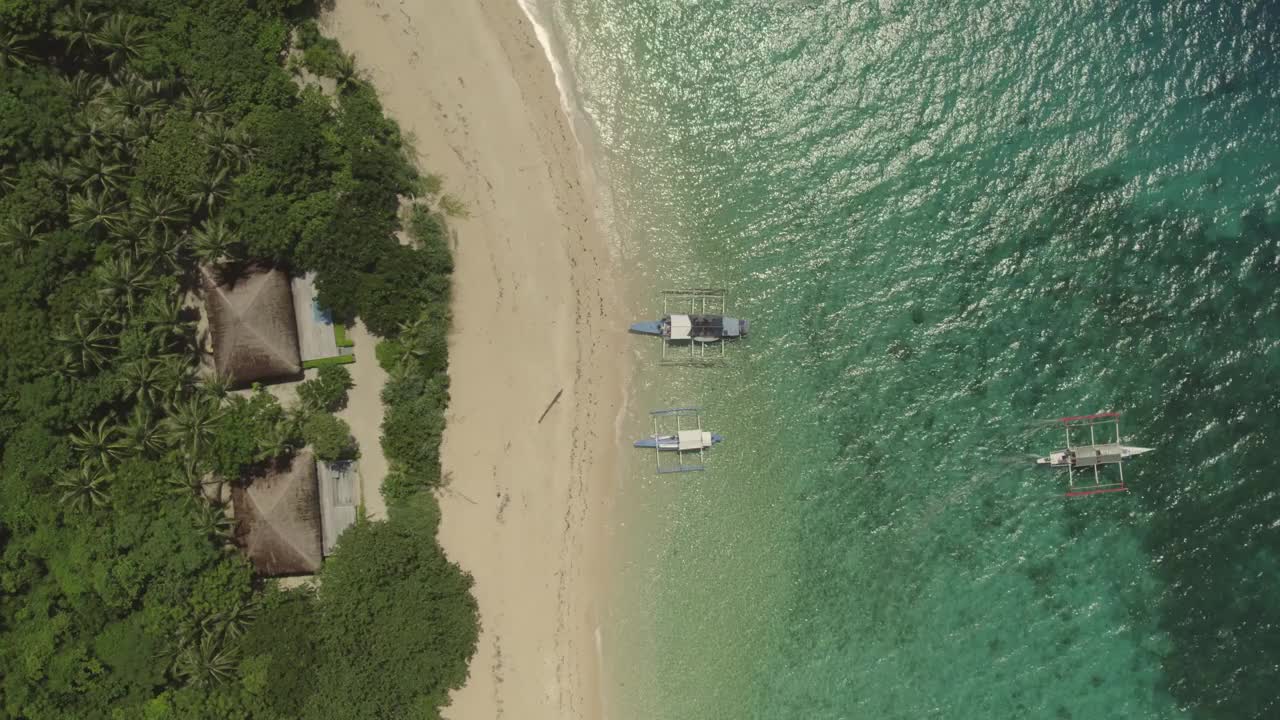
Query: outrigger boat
<point x="1096" y="455"/>
<point x="671" y="435"/>
<point x="697" y="328"/>
<point x="1090" y="455"/>
<point x="696" y="319"/>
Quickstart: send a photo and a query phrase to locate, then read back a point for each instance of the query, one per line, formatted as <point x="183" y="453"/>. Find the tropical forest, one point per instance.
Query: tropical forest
<point x="141" y="141"/>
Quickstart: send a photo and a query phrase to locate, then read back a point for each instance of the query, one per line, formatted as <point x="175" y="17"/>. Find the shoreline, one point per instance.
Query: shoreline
<point x="527" y="502"/>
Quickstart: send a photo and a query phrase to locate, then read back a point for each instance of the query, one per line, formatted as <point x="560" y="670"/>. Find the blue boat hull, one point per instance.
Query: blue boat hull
<point x="647" y="328"/>
<point x="731" y="328"/>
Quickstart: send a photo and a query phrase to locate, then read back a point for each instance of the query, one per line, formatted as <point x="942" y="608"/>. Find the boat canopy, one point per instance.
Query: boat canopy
<point x="681" y="327"/>
<point x="694" y="439"/>
<point x="1089" y="455"/>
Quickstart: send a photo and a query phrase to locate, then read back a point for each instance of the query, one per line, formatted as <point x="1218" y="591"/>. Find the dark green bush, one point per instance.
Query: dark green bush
<point x="327" y="392"/>
<point x="252" y="430"/>
<point x="330" y="437"/>
<point x="389" y="576"/>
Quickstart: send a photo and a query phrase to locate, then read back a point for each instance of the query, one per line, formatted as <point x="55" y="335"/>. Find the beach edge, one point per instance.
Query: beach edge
<point x="527" y="496"/>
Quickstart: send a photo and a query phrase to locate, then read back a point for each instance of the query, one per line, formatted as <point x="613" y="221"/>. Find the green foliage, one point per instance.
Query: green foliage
<point x="414" y="424"/>
<point x="376" y="581"/>
<point x="431" y="185"/>
<point x="428" y="230"/>
<point x="390" y="354"/>
<point x="327" y="392"/>
<point x="321" y="55"/>
<point x="173" y="160"/>
<point x="397" y="487"/>
<point x="285" y="640"/>
<point x="340" y="336"/>
<point x="34" y="106"/>
<point x="453" y="206"/>
<point x="137" y="140"/>
<point x="330" y="437"/>
<point x="415" y="396"/>
<point x="363" y="269"/>
<point x="328" y="362"/>
<point x="250" y="431"/>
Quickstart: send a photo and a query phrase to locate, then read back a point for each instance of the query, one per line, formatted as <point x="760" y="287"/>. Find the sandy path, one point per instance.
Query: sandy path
<point x="535" y="313"/>
<point x="364" y="414"/>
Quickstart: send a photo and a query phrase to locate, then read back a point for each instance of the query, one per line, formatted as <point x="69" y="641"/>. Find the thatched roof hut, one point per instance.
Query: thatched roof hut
<point x="278" y="518"/>
<point x="251" y="321"/>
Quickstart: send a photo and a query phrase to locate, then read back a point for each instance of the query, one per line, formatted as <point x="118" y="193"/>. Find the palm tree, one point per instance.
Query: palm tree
<point x="130" y="235"/>
<point x="179" y="378"/>
<point x="140" y="130"/>
<point x="214" y="242"/>
<point x="206" y="662"/>
<point x="143" y="433"/>
<point x="57" y="171"/>
<point x="201" y="104"/>
<point x="132" y="99"/>
<point x="162" y="313"/>
<point x="280" y="439"/>
<point x="191" y="424"/>
<point x="84" y="88"/>
<point x="166" y="250"/>
<point x="89" y="129"/>
<point x="216" y="387"/>
<point x="211" y="189"/>
<point x="233" y="621"/>
<point x="93" y="211"/>
<point x="122" y="136"/>
<point x="122" y="39"/>
<point x="230" y="148"/>
<point x="86" y="344"/>
<point x="211" y="521"/>
<point x="8" y="177"/>
<point x="143" y="380"/>
<point x="15" y="50"/>
<point x="84" y="488"/>
<point x="18" y="238"/>
<point x="121" y="281"/>
<point x="346" y="72"/>
<point x="187" y="483"/>
<point x="158" y="212"/>
<point x="98" y="444"/>
<point x="94" y="171"/>
<point x="77" y="27"/>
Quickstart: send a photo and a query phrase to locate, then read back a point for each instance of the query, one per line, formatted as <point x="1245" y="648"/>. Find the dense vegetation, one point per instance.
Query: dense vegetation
<point x="138" y="140"/>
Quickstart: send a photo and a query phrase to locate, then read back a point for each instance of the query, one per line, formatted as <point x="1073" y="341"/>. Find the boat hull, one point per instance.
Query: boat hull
<point x="647" y="328"/>
<point x="669" y="443"/>
<point x="1059" y="459"/>
<point x="728" y="329"/>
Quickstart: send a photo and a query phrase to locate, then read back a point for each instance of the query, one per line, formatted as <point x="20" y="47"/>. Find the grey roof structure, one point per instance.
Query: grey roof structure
<point x="338" y="481"/>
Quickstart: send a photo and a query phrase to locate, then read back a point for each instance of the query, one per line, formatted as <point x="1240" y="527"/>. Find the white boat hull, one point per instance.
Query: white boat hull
<point x="1060" y="458"/>
<point x="672" y="443"/>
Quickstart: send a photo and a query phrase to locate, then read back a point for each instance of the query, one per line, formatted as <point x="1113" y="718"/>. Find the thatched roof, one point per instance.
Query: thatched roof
<point x="252" y="324"/>
<point x="278" y="518"/>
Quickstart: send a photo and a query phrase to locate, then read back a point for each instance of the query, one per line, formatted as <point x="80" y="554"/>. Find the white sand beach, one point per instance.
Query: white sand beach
<point x="535" y="313"/>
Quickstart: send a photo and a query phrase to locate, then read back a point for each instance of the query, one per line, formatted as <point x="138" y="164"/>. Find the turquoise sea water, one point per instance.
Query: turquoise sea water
<point x="948" y="221"/>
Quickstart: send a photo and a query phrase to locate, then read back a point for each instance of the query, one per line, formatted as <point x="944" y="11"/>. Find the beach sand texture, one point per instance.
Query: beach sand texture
<point x="526" y="502"/>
